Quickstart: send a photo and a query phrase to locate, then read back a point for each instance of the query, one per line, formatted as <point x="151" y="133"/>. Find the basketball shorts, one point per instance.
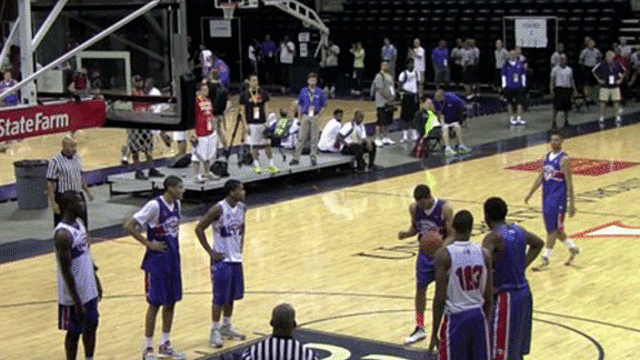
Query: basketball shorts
<point x="514" y="96"/>
<point x="425" y="270"/>
<point x="553" y="217"/>
<point x="68" y="319"/>
<point x="179" y="136"/>
<point x="140" y="140"/>
<point x="162" y="288"/>
<point x="255" y="137"/>
<point x="464" y="335"/>
<point x="384" y="115"/>
<point x="562" y="100"/>
<point x="228" y="282"/>
<point x="511" y="324"/>
<point x="206" y="148"/>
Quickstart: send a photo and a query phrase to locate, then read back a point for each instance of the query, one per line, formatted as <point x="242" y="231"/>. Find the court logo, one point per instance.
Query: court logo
<point x="581" y="166"/>
<point x="614" y="229"/>
<point x="329" y="346"/>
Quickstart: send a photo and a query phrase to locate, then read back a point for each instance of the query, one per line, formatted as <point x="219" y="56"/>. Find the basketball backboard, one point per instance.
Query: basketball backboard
<point x="242" y="4"/>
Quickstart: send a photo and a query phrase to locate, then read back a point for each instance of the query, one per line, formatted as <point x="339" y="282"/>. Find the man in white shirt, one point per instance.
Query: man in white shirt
<point x="418" y="60"/>
<point x="354" y="136"/>
<point x="206" y="61"/>
<point x="330" y="52"/>
<point x="329" y="139"/>
<point x="287" y="52"/>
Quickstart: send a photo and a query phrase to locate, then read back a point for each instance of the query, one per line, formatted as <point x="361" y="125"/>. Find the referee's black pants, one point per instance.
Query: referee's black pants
<point x="58" y="217"/>
<point x="358" y="150"/>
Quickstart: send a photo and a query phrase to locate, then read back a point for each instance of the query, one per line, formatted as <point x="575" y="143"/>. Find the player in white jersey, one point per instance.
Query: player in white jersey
<point x="77" y="287"/>
<point x="463" y="294"/>
<point x="228" y="219"/>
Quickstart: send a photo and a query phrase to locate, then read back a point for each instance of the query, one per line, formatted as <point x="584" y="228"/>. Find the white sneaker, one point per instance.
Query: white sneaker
<point x="601" y="120"/>
<point x="514" y="121"/>
<point x="228" y="333"/>
<point x="414" y="135"/>
<point x="378" y="142"/>
<point x="147" y="354"/>
<point x="463" y="149"/>
<point x="388" y="141"/>
<point x="573" y="251"/>
<point x="417" y="335"/>
<point x="448" y="151"/>
<point x="544" y="265"/>
<point x="520" y="121"/>
<point x="404" y="140"/>
<point x="215" y="338"/>
<point x="167" y="352"/>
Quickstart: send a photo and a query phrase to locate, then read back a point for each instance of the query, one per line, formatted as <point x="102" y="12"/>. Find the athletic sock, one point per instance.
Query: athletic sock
<point x="215" y="325"/>
<point x="256" y="163"/>
<point x="148" y="341"/>
<point x="164" y="338"/>
<point x="420" y="320"/>
<point x="226" y="320"/>
<point x="569" y="244"/>
<point x="271" y="163"/>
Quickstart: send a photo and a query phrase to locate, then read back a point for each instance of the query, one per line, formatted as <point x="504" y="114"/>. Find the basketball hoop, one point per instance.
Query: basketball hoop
<point x="228" y="9"/>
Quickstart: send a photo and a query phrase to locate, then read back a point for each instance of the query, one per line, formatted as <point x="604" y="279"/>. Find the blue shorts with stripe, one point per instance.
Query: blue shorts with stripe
<point x="425" y="271"/>
<point x="162" y="288"/>
<point x="68" y="319"/>
<point x="553" y="215"/>
<point x="464" y="336"/>
<point x="511" y="324"/>
<point x="228" y="282"/>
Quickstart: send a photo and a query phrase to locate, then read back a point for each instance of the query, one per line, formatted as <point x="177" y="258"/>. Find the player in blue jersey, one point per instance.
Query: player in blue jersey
<point x="512" y="249"/>
<point x="557" y="197"/>
<point x="427" y="214"/>
<point x="161" y="264"/>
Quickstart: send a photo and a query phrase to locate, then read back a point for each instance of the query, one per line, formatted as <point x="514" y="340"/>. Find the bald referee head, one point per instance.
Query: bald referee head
<point x="283" y="320"/>
<point x="69" y="146"/>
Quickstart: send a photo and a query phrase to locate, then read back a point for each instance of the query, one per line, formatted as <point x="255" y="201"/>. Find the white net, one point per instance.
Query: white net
<point x="228" y="10"/>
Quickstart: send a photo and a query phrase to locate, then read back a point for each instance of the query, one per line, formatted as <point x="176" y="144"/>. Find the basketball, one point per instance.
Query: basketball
<point x="430" y="242"/>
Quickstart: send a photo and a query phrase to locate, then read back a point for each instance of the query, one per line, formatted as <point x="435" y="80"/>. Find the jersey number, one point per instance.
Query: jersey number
<point x="469" y="277"/>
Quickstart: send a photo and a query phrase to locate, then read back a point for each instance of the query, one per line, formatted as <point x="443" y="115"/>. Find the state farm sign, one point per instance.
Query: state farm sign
<point x="49" y="119"/>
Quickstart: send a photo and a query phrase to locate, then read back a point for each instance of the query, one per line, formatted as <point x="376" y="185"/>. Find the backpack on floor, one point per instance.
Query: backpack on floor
<point x="421" y="149"/>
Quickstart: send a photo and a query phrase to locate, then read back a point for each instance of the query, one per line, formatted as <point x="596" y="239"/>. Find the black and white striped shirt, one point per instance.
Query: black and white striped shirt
<point x="66" y="172"/>
<point x="278" y="348"/>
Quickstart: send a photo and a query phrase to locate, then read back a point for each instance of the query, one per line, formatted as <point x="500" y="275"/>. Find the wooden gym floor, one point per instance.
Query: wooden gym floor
<point x="336" y="258"/>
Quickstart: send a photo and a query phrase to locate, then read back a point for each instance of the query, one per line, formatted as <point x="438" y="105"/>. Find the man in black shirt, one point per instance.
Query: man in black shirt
<point x="219" y="97"/>
<point x="255" y="109"/>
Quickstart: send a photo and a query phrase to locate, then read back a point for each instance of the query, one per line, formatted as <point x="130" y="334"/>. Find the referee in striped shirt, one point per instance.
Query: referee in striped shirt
<point x="280" y="345"/>
<point x="65" y="174"/>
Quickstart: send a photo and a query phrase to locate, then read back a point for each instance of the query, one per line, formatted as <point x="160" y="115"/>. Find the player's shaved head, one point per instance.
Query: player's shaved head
<point x="283" y="319"/>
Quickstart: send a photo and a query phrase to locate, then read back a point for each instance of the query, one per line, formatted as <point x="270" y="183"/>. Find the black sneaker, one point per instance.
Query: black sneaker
<point x="314" y="161"/>
<point x="294" y="162"/>
<point x="140" y="175"/>
<point x="155" y="173"/>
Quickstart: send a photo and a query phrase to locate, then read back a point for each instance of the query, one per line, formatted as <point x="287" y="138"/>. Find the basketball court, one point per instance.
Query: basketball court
<point x="335" y="256"/>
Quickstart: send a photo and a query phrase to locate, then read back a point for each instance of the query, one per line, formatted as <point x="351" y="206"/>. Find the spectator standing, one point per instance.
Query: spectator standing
<point x="268" y="51"/>
<point x="409" y="81"/>
<point x="223" y="70"/>
<point x="80" y="85"/>
<point x="8" y="82"/>
<point x="252" y="53"/>
<point x="204" y="139"/>
<point x="514" y="80"/>
<point x="389" y="53"/>
<point x="281" y="342"/>
<point x="330" y="56"/>
<point x="555" y="58"/>
<point x="385" y="94"/>
<point x="440" y="60"/>
<point x="467" y="61"/>
<point x="450" y="108"/>
<point x="562" y="87"/>
<point x="206" y="61"/>
<point x="287" y="54"/>
<point x="625" y="49"/>
<point x="358" y="66"/>
<point x="418" y="55"/>
<point x="476" y="64"/>
<point x="311" y="102"/>
<point x="456" y="59"/>
<point x="255" y="101"/>
<point x="501" y="56"/>
<point x="329" y="140"/>
<point x="64" y="173"/>
<point x="356" y="142"/>
<point x="219" y="97"/>
<point x="589" y="58"/>
<point x="610" y="75"/>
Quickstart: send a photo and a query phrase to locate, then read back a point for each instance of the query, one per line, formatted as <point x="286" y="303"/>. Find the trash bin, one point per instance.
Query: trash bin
<point x="31" y="184"/>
